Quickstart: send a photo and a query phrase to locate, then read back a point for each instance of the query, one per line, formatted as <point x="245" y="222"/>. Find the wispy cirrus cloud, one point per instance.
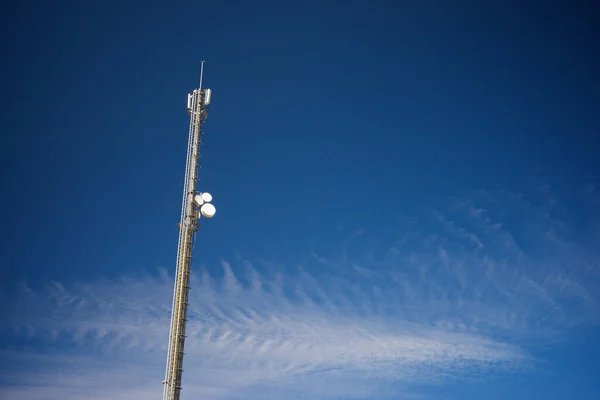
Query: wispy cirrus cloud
<point x="463" y="291"/>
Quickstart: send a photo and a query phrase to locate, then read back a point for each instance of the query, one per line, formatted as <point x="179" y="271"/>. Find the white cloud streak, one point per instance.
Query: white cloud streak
<point x="448" y="301"/>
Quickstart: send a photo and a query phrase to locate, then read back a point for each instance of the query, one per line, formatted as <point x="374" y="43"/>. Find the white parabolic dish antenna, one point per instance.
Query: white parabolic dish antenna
<point x="207" y="197"/>
<point x="208" y="210"/>
<point x="198" y="199"/>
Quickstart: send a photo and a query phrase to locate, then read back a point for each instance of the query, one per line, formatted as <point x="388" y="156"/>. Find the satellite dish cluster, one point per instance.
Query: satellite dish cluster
<point x="206" y="208"/>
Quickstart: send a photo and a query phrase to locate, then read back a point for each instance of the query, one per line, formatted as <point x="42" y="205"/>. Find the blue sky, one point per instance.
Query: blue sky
<point x="407" y="193"/>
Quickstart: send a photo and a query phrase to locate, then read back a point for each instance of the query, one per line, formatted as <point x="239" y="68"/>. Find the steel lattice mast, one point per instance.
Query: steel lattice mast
<point x="193" y="206"/>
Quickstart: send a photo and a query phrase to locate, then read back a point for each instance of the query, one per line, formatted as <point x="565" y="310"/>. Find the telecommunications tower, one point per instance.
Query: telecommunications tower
<point x="194" y="205"/>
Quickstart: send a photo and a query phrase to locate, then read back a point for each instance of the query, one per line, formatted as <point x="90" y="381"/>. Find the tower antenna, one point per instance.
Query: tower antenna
<point x="201" y="73"/>
<point x="193" y="206"/>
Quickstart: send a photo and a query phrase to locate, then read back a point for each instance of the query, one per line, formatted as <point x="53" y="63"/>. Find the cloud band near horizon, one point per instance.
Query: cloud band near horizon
<point x="469" y="290"/>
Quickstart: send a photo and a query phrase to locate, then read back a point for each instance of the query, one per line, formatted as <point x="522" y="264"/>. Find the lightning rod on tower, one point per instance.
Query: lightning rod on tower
<point x="194" y="205"/>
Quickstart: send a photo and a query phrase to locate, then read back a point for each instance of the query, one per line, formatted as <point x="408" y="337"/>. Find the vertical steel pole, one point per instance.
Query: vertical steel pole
<point x="188" y="228"/>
